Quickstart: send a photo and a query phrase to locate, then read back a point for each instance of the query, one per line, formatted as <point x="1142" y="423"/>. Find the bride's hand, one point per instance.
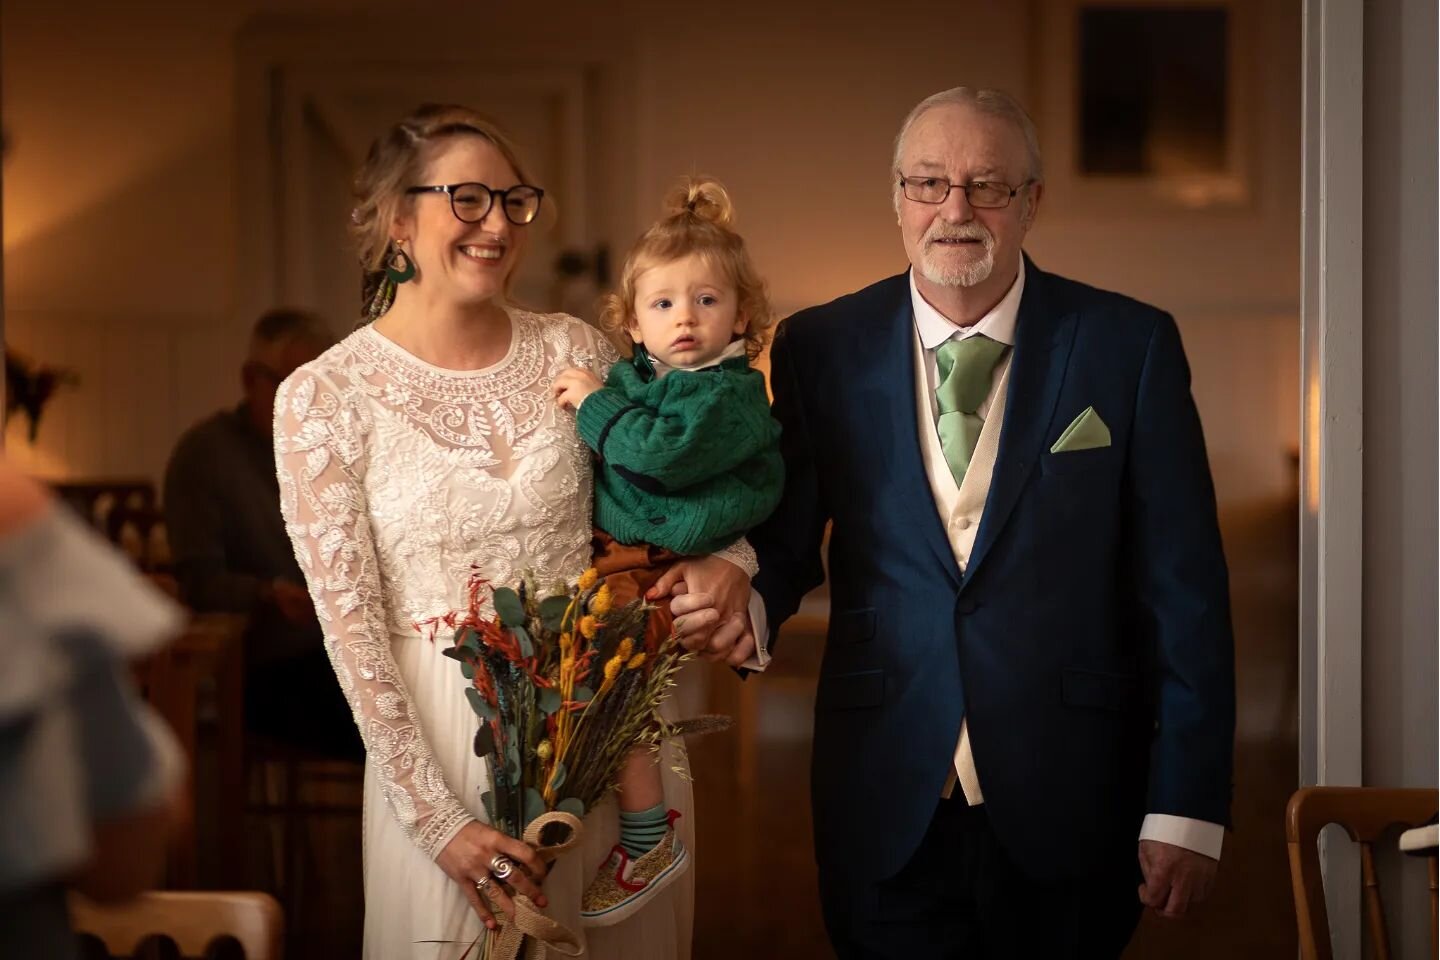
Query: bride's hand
<point x="467" y="857"/>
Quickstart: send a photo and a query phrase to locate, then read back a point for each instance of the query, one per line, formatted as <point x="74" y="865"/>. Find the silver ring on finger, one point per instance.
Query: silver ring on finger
<point x="502" y="866"/>
<point x="484" y="882"/>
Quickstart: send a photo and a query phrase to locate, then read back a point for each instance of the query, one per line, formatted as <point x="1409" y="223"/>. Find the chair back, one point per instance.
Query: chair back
<point x="193" y="919"/>
<point x="1364" y="813"/>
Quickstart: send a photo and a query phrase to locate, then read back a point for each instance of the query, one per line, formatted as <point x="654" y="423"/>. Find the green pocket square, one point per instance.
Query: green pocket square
<point x="1086" y="432"/>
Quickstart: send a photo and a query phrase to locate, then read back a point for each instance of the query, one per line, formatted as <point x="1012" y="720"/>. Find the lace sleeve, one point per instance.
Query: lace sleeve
<point x="593" y="351"/>
<point x="318" y="442"/>
<point x="742" y="555"/>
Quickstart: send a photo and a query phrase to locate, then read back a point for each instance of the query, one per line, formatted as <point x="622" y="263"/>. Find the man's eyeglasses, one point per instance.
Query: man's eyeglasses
<point x="981" y="194"/>
<point x="470" y="202"/>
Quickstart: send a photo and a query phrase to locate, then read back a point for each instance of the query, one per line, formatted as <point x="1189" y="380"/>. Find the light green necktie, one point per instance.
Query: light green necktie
<point x="966" y="369"/>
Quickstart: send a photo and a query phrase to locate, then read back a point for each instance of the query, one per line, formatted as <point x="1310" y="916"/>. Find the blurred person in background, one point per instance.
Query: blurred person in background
<point x="231" y="553"/>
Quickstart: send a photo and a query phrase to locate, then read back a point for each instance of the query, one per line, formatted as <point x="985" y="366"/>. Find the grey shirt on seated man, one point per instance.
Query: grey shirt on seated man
<point x="231" y="553"/>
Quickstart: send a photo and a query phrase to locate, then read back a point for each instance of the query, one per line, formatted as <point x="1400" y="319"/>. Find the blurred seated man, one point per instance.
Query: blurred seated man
<point x="222" y="511"/>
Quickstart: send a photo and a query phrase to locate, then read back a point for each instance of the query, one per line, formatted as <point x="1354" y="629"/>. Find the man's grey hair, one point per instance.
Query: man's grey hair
<point x="996" y="103"/>
<point x="279" y="327"/>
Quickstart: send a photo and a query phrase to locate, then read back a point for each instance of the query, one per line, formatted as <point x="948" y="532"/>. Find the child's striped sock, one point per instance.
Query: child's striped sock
<point x="642" y="830"/>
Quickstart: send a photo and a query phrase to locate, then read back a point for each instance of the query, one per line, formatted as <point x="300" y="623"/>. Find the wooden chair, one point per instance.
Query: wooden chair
<point x="192" y="919"/>
<point x="1364" y="813"/>
<point x="126" y="513"/>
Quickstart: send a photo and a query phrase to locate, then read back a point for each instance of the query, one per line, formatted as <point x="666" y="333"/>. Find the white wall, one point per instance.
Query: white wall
<point x="120" y="228"/>
<point x="1400" y="322"/>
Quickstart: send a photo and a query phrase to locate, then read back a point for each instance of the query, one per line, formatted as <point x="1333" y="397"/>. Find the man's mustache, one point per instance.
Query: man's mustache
<point x="961" y="231"/>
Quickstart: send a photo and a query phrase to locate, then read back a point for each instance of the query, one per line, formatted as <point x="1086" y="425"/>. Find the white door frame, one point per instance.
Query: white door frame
<point x="283" y="50"/>
<point x="1332" y="449"/>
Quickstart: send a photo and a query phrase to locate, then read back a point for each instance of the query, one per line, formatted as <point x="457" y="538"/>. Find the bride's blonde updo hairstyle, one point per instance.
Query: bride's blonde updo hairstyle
<point x="396" y="161"/>
<point x="698" y="220"/>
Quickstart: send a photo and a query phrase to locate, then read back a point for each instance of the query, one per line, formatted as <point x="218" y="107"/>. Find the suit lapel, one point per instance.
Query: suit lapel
<point x="1037" y="371"/>
<point x="897" y="367"/>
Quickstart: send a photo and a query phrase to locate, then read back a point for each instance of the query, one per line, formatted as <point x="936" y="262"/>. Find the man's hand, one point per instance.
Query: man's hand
<point x="292" y="601"/>
<point x="1175" y="878"/>
<point x="711" y="608"/>
<point x="572" y="386"/>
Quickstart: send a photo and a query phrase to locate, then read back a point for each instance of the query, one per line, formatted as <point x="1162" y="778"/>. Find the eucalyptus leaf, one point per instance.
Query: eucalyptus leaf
<point x="509" y="607"/>
<point x="488" y="799"/>
<point x="557" y="779"/>
<point x="534" y="804"/>
<point x="527" y="648"/>
<point x="478" y="704"/>
<point x="454" y="653"/>
<point x="467" y="638"/>
<point x="583" y="694"/>
<point x="548" y="700"/>
<point x="512" y="760"/>
<point x="552" y="612"/>
<point x="484" y="740"/>
<point x="572" y="806"/>
<point x="467" y="669"/>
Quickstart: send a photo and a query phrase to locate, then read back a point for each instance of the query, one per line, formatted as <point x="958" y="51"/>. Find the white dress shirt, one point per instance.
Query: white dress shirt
<point x="960" y="508"/>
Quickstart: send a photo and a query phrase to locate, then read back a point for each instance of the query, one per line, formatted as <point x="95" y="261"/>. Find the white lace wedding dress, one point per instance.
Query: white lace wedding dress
<point x="395" y="477"/>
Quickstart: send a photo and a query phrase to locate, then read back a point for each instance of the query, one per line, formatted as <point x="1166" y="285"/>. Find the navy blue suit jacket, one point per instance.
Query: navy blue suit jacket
<point x="1089" y="640"/>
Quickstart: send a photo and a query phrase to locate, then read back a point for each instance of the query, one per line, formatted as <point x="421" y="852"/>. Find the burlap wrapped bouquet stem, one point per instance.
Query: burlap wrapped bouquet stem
<point x="532" y="931"/>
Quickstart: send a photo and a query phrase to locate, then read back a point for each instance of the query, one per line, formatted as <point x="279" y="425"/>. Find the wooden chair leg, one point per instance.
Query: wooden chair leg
<point x="1434" y="910"/>
<point x="1374" y="910"/>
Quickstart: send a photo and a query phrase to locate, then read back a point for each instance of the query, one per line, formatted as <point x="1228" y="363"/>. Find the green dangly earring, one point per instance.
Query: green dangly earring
<point x="643" y="364"/>
<point x="405" y="271"/>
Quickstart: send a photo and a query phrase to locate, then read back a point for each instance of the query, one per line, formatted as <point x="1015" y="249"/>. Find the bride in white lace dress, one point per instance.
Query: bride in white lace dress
<point x="422" y="444"/>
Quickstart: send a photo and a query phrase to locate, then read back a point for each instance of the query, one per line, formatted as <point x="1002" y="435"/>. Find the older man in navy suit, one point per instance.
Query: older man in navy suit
<point x="1029" y="665"/>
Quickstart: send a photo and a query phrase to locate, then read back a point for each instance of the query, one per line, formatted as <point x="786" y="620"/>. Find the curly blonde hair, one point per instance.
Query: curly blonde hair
<point x="698" y="220"/>
<point x="396" y="159"/>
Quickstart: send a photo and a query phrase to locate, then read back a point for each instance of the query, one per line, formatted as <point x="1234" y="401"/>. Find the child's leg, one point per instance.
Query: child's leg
<point x="630" y="571"/>
<point x="643" y="815"/>
<point x="640" y="786"/>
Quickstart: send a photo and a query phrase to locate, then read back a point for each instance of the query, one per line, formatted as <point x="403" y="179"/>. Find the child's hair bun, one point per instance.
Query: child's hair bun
<point x="702" y="198"/>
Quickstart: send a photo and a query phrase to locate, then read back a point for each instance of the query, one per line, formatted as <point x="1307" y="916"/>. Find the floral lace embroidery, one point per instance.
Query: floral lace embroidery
<point x="397" y="476"/>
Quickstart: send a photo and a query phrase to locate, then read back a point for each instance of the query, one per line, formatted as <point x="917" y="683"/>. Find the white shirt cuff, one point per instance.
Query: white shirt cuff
<point x="758" y="624"/>
<point x="1201" y="836"/>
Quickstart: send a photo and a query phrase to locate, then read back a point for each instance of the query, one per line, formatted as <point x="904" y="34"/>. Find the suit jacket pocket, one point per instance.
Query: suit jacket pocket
<point x="1072" y="461"/>
<point x="851" y="691"/>
<point x="852" y="626"/>
<point x="1098" y="690"/>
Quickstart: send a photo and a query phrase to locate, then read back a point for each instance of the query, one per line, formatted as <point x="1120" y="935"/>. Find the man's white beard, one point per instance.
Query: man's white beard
<point x="941" y="270"/>
<point x="951" y="274"/>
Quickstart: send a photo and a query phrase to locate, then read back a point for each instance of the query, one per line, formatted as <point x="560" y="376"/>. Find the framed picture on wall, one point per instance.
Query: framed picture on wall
<point x="1146" y="106"/>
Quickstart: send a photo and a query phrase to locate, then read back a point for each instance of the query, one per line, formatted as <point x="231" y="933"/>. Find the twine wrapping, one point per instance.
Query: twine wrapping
<point x="544" y="933"/>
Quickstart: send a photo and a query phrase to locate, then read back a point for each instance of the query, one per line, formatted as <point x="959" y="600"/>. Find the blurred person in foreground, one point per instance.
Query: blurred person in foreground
<point x="91" y="781"/>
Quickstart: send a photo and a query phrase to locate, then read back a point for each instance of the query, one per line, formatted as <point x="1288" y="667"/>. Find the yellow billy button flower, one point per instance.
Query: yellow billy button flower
<point x="601" y="602"/>
<point x="588" y="578"/>
<point x="588" y="626"/>
<point x="544" y="750"/>
<point x="636" y="661"/>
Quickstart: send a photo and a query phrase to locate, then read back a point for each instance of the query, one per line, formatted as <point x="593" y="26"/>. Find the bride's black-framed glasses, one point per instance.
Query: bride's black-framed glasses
<point x="470" y="202"/>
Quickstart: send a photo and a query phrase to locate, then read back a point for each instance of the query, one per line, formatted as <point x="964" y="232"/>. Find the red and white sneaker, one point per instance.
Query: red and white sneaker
<point x="623" y="886"/>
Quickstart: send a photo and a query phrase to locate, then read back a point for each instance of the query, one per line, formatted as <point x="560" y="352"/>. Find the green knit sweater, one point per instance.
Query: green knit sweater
<point x="690" y="461"/>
